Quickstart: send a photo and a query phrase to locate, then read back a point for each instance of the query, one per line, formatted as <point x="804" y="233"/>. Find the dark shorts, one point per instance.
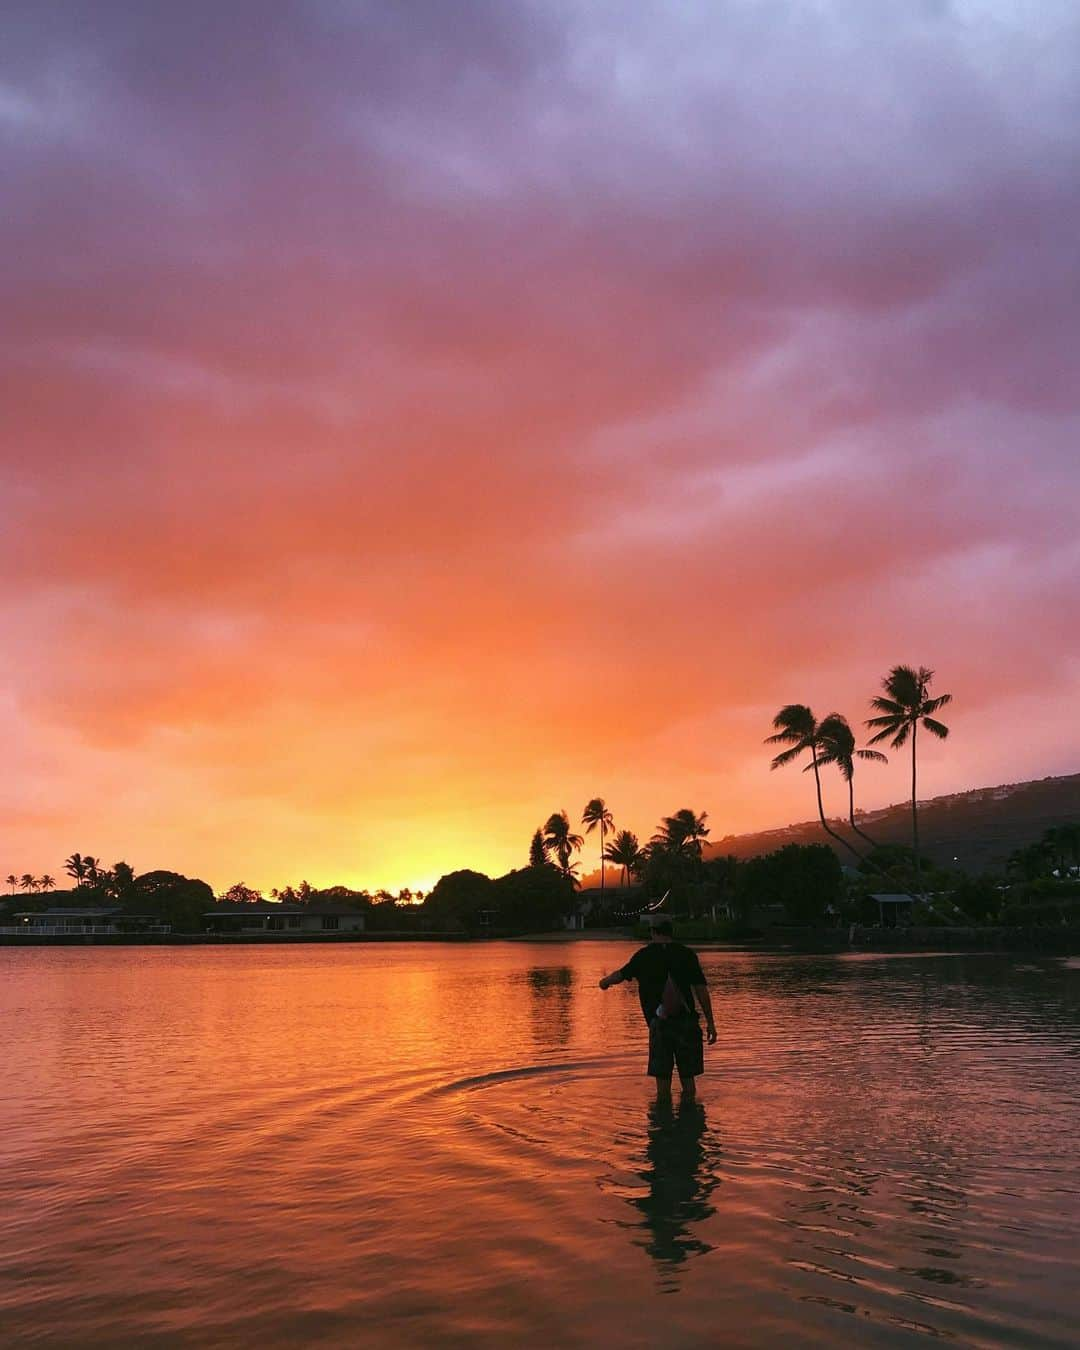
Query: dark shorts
<point x="675" y="1042"/>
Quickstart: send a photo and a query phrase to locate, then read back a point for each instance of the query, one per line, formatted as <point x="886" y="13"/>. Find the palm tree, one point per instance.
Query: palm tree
<point x="93" y="873"/>
<point x="625" y="852"/>
<point x="559" y="840"/>
<point x="836" y="745"/>
<point x="905" y="704"/>
<point x="27" y="882"/>
<point x="119" y="881"/>
<point x="75" y="866"/>
<point x="11" y="880"/>
<point x="597" y="813"/>
<point x="684" y="833"/>
<point x="796" y="727"/>
<point x="46" y="883"/>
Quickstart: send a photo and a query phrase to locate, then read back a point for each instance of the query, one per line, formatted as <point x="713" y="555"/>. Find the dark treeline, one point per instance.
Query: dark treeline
<point x="803" y="884"/>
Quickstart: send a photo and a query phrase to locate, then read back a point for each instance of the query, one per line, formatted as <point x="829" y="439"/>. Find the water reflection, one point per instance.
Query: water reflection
<point x="552" y="990"/>
<point x="680" y="1175"/>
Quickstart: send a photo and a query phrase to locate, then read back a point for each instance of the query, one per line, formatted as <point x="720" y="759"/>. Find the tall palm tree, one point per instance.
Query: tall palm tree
<point x="75" y="866"/>
<point x="796" y="727"/>
<point x="905" y="705"/>
<point x="46" y="883"/>
<point x="93" y="871"/>
<point x="561" y="841"/>
<point x="625" y="852"/>
<point x="11" y="880"/>
<point x="836" y="745"/>
<point x="27" y="882"/>
<point x="597" y="813"/>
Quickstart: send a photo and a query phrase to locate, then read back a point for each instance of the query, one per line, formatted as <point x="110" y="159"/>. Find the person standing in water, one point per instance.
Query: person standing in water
<point x="671" y="985"/>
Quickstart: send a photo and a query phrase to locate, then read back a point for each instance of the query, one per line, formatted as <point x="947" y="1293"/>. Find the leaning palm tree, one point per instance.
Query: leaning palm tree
<point x="27" y="882"/>
<point x="905" y="704"/>
<point x="46" y="883"/>
<point x="836" y="745"/>
<point x="796" y="727"/>
<point x="561" y="841"/>
<point x="625" y="852"/>
<point x="11" y="880"/>
<point x="597" y="813"/>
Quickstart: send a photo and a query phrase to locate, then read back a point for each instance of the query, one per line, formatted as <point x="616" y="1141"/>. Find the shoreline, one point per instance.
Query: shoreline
<point x="779" y="941"/>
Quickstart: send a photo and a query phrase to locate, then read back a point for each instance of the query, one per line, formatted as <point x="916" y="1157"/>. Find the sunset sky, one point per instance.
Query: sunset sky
<point x="419" y="417"/>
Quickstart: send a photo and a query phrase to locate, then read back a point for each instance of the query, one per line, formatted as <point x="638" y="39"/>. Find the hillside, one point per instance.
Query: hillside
<point x="979" y="828"/>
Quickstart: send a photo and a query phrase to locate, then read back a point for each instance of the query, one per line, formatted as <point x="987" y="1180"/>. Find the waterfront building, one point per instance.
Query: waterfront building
<point x="81" y="921"/>
<point x="268" y="916"/>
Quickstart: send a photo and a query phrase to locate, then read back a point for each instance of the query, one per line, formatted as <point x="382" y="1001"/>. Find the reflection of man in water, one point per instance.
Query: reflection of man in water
<point x="670" y="979"/>
<point x="680" y="1175"/>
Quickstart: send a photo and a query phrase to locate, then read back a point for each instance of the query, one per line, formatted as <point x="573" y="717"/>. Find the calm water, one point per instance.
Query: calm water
<point x="441" y="1145"/>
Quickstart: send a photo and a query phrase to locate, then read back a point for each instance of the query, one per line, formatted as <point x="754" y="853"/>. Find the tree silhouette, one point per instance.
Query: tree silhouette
<point x="905" y="705"/>
<point x="75" y="866"/>
<point x="836" y="745"/>
<point x="796" y="727"/>
<point x="11" y="880"/>
<point x="120" y="880"/>
<point x="560" y="840"/>
<point x="597" y="813"/>
<point x="46" y="883"/>
<point x="239" y="894"/>
<point x="683" y="833"/>
<point x="538" y="854"/>
<point x="27" y="882"/>
<point x="625" y="852"/>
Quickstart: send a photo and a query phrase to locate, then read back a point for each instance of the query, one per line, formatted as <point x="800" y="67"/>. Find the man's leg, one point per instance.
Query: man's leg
<point x="661" y="1060"/>
<point x="690" y="1057"/>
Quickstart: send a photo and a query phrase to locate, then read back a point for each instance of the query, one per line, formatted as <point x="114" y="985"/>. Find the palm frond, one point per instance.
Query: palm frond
<point x="786" y="757"/>
<point x="938" y="728"/>
<point x="875" y="755"/>
<point x="891" y="726"/>
<point x="933" y="704"/>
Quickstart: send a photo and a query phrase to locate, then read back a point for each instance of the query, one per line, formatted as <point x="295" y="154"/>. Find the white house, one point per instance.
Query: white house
<point x="81" y="921"/>
<point x="268" y="916"/>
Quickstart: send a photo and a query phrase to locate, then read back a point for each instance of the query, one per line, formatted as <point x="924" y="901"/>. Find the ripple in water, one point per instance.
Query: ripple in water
<point x="451" y="1146"/>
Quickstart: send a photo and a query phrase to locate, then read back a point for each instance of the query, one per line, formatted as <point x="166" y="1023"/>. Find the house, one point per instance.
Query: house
<point x="268" y="916"/>
<point x="895" y="910"/>
<point x="81" y="921"/>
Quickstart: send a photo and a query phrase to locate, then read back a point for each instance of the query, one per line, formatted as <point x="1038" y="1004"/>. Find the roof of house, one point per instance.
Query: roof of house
<point x="271" y="908"/>
<point x="885" y="898"/>
<point x="64" y="912"/>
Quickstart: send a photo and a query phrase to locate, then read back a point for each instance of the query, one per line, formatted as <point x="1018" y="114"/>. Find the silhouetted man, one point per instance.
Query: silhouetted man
<point x="670" y="979"/>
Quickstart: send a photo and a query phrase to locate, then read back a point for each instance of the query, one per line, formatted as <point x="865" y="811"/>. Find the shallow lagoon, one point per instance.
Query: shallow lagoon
<point x="455" y="1145"/>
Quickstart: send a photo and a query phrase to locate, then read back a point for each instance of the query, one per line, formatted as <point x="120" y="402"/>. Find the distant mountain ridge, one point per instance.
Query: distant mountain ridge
<point x="978" y="828"/>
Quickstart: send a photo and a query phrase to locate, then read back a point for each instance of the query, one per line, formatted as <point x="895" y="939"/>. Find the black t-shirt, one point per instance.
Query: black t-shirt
<point x="652" y="965"/>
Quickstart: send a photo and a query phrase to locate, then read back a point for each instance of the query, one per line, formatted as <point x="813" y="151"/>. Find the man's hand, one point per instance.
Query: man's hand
<point x="604" y="982"/>
<point x="710" y="1033"/>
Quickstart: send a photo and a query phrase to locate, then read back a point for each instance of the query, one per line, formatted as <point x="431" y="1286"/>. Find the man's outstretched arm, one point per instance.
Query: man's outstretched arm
<point x="616" y="977"/>
<point x="701" y="993"/>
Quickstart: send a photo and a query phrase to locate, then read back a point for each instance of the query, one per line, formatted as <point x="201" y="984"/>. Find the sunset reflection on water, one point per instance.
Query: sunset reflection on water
<point x="428" y="1144"/>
